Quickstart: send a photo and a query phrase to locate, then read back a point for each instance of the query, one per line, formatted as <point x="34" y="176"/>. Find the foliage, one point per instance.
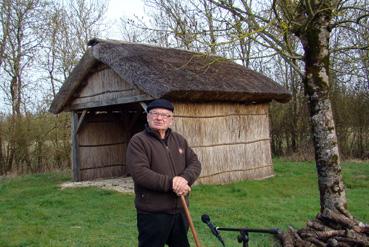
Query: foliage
<point x="41" y="143"/>
<point x="35" y="212"/>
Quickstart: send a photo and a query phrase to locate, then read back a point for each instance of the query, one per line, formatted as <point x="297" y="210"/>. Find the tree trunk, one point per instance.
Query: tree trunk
<point x="311" y="21"/>
<point x="2" y="158"/>
<point x="315" y="41"/>
<point x="10" y="149"/>
<point x="334" y="226"/>
<point x="4" y="17"/>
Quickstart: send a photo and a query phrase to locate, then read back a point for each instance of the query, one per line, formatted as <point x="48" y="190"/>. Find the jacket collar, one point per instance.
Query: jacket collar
<point x="156" y="135"/>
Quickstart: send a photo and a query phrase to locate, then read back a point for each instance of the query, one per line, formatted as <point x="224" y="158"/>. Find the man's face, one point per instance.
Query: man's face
<point x="160" y="119"/>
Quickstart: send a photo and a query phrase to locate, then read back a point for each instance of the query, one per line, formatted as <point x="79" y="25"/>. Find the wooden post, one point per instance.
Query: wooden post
<point x="75" y="159"/>
<point x="80" y="121"/>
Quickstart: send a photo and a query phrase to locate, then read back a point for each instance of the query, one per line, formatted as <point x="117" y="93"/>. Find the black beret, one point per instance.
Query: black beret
<point x="160" y="103"/>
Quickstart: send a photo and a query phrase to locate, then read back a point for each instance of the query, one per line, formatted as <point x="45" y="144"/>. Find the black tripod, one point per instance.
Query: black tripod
<point x="244" y="232"/>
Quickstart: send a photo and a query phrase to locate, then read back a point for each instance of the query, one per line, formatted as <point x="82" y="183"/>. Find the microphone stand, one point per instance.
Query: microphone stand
<point x="244" y="233"/>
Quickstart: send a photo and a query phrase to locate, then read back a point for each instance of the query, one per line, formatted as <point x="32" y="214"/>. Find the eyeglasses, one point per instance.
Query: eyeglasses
<point x="163" y="115"/>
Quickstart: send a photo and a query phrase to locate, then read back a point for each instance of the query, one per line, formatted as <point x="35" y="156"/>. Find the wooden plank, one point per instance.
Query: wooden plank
<point x="75" y="153"/>
<point x="104" y="86"/>
<point x="107" y="92"/>
<point x="106" y="95"/>
<point x="101" y="156"/>
<point x="103" y="81"/>
<point x="109" y="102"/>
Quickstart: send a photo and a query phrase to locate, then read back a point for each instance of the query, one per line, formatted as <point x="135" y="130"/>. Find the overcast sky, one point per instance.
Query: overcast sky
<point x="121" y="8"/>
<point x="116" y="10"/>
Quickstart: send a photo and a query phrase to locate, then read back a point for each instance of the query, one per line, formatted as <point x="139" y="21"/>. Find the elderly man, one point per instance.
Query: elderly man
<point x="163" y="167"/>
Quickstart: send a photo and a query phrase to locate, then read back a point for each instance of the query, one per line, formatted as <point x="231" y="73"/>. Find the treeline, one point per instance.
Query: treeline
<point x="291" y="135"/>
<point x="42" y="40"/>
<point x="34" y="143"/>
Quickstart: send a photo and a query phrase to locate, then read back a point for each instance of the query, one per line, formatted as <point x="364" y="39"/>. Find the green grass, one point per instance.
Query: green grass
<point x="35" y="212"/>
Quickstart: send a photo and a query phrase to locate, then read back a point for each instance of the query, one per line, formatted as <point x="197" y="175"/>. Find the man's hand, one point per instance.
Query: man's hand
<point x="180" y="186"/>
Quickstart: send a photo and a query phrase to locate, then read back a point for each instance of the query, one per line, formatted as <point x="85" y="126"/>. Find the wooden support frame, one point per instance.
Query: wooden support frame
<point x="80" y="121"/>
<point x="144" y="106"/>
<point x="75" y="149"/>
<point x="109" y="102"/>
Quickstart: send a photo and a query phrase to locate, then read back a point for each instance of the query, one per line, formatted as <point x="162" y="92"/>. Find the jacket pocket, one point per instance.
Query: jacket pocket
<point x="142" y="198"/>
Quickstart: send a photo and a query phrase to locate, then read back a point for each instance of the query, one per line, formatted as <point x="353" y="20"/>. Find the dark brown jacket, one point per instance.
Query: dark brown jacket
<point x="153" y="163"/>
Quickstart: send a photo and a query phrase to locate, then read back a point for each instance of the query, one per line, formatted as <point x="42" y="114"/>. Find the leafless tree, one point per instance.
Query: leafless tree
<point x="84" y="20"/>
<point x="4" y="32"/>
<point x="41" y="41"/>
<point x="69" y="27"/>
<point x="4" y="18"/>
<point x="190" y="25"/>
<point x="311" y="22"/>
<point x="23" y="22"/>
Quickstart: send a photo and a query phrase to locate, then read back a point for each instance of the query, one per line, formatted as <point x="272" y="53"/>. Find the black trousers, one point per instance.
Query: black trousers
<point x="158" y="229"/>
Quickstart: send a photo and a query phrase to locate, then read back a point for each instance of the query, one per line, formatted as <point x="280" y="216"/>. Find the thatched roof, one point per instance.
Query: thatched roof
<point x="172" y="73"/>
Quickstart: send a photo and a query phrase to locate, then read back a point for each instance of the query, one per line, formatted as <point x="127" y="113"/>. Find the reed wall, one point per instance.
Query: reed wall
<point x="101" y="146"/>
<point x="231" y="140"/>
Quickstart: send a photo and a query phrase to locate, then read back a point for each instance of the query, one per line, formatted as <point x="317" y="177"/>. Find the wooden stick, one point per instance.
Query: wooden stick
<point x="189" y="219"/>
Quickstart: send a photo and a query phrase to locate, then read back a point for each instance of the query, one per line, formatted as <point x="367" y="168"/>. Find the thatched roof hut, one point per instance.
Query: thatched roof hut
<point x="220" y="107"/>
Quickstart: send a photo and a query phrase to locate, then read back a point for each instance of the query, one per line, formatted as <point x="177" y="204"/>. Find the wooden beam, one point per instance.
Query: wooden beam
<point x="75" y="154"/>
<point x="80" y="121"/>
<point x="144" y="106"/>
<point x="117" y="101"/>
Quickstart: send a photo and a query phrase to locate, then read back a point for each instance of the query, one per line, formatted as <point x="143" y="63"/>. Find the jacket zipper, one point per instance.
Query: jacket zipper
<point x="172" y="168"/>
<point x="170" y="159"/>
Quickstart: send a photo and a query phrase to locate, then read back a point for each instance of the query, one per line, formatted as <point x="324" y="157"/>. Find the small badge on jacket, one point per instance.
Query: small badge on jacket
<point x="180" y="150"/>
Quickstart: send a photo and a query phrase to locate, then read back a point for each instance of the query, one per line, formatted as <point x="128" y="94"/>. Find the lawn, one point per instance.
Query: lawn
<point x="35" y="212"/>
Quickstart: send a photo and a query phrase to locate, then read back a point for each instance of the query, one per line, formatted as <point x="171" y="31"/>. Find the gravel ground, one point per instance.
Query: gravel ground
<point x="124" y="185"/>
